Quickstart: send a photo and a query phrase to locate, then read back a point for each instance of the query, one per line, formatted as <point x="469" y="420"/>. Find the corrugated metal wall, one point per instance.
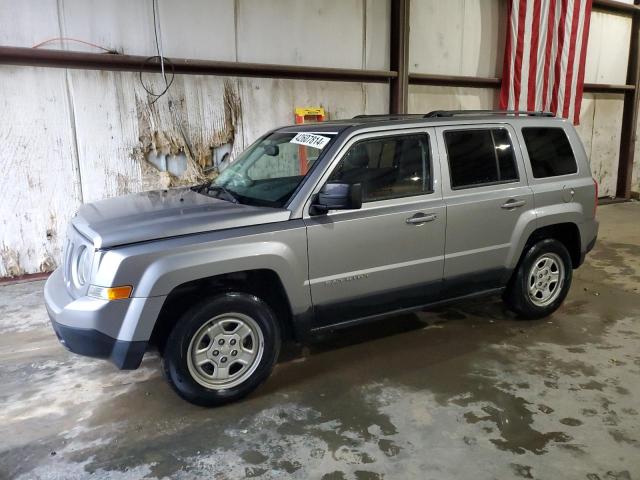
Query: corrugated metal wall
<point x="72" y="136"/>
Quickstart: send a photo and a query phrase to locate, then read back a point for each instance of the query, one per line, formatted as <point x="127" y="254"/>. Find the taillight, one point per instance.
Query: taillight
<point x="595" y="201"/>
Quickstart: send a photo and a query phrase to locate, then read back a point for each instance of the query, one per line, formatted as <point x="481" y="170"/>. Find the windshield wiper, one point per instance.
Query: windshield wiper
<point x="227" y="193"/>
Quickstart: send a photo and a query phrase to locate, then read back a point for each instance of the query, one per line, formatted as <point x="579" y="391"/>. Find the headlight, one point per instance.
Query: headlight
<point x="110" y="293"/>
<point x="81" y="268"/>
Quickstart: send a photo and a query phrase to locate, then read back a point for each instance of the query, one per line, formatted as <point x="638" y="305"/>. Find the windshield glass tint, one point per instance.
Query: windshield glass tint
<point x="268" y="172"/>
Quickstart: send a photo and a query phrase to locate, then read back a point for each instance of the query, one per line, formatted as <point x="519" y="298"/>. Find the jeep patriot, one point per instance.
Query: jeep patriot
<point x="323" y="226"/>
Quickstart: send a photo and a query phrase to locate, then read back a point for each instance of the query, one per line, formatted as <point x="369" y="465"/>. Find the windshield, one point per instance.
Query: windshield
<point x="268" y="172"/>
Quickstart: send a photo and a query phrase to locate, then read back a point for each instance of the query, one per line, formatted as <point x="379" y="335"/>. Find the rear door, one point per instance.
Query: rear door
<point x="486" y="193"/>
<point x="388" y="255"/>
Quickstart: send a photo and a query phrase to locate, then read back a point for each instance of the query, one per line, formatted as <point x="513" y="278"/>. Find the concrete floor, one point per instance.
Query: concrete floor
<point x="463" y="392"/>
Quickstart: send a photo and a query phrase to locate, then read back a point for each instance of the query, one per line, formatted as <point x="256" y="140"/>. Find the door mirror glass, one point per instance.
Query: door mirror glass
<point x="337" y="196"/>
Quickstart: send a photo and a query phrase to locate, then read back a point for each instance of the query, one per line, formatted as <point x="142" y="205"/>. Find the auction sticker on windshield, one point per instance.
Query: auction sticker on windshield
<point x="310" y="140"/>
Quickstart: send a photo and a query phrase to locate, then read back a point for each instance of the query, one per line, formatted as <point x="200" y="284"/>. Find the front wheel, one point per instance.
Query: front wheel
<point x="222" y="349"/>
<point x="541" y="282"/>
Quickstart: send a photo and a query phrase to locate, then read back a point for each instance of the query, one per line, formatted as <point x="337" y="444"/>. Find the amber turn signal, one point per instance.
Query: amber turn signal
<point x="110" y="293"/>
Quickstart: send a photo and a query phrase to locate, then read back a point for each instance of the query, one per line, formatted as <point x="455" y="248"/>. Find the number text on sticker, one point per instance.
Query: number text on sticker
<point x="310" y="140"/>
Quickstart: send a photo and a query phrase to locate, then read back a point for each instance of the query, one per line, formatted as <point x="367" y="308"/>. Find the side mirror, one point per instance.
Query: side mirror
<point x="337" y="196"/>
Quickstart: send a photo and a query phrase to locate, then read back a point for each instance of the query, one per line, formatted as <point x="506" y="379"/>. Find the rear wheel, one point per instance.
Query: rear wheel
<point x="542" y="280"/>
<point x="222" y="349"/>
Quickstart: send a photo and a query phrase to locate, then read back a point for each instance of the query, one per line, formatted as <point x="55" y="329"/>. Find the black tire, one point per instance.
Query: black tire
<point x="517" y="295"/>
<point x="176" y="365"/>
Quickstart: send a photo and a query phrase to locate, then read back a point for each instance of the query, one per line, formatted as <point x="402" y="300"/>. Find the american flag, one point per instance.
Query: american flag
<point x="545" y="55"/>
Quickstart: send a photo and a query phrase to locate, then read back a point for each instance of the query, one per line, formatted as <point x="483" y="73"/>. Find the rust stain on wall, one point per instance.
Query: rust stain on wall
<point x="11" y="262"/>
<point x="232" y="115"/>
<point x="122" y="183"/>
<point x="48" y="264"/>
<point x="164" y="131"/>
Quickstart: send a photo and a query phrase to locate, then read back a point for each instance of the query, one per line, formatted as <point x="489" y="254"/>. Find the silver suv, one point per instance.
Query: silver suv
<point x="324" y="226"/>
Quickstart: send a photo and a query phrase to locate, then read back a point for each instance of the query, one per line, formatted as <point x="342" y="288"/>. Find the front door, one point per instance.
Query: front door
<point x="486" y="194"/>
<point x="388" y="255"/>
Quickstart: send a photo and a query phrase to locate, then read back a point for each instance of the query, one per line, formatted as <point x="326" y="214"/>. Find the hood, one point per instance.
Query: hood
<point x="165" y="213"/>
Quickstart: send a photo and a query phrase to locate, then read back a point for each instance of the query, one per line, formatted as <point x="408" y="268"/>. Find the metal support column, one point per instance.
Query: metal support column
<point x="630" y="113"/>
<point x="399" y="59"/>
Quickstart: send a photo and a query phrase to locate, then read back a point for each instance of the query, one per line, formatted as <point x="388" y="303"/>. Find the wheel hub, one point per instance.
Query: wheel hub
<point x="546" y="278"/>
<point x="223" y="347"/>
<point x="225" y="351"/>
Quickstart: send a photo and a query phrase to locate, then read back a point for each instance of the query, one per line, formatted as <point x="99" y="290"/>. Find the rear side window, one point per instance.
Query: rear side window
<point x="549" y="151"/>
<point x="480" y="157"/>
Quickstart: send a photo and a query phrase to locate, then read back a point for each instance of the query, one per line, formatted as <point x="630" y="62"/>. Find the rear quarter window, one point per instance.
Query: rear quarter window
<point x="550" y="152"/>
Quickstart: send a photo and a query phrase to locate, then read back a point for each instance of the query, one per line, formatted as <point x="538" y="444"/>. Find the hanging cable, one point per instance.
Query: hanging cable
<point x="168" y="83"/>
<point x="159" y="57"/>
<point x="69" y="39"/>
<point x="156" y="28"/>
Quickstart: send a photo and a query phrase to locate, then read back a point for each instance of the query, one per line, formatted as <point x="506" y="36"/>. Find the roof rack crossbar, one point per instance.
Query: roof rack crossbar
<point x="451" y="113"/>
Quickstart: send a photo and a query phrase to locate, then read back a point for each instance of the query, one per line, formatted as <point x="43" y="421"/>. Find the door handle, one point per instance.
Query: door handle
<point x="420" y="218"/>
<point x="511" y="204"/>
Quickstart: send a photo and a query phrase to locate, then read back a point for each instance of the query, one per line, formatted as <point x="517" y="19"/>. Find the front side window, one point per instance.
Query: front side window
<point x="270" y="171"/>
<point x="387" y="167"/>
<point x="480" y="157"/>
<point x="549" y="151"/>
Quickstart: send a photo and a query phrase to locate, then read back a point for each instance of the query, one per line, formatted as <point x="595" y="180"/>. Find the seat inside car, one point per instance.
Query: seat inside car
<point x="359" y="168"/>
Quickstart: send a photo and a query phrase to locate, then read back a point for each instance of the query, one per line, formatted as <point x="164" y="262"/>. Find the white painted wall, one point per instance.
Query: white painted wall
<point x="607" y="53"/>
<point x="601" y="114"/>
<point x="75" y="136"/>
<point x="425" y="98"/>
<point x="457" y="37"/>
<point x="38" y="162"/>
<point x="600" y="128"/>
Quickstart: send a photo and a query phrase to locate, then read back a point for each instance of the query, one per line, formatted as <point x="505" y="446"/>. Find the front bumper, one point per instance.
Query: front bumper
<point x="92" y="343"/>
<point x="115" y="330"/>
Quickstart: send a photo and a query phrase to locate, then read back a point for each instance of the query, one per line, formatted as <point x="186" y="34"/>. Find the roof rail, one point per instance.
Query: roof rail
<point x="451" y="113"/>
<point x="389" y="115"/>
